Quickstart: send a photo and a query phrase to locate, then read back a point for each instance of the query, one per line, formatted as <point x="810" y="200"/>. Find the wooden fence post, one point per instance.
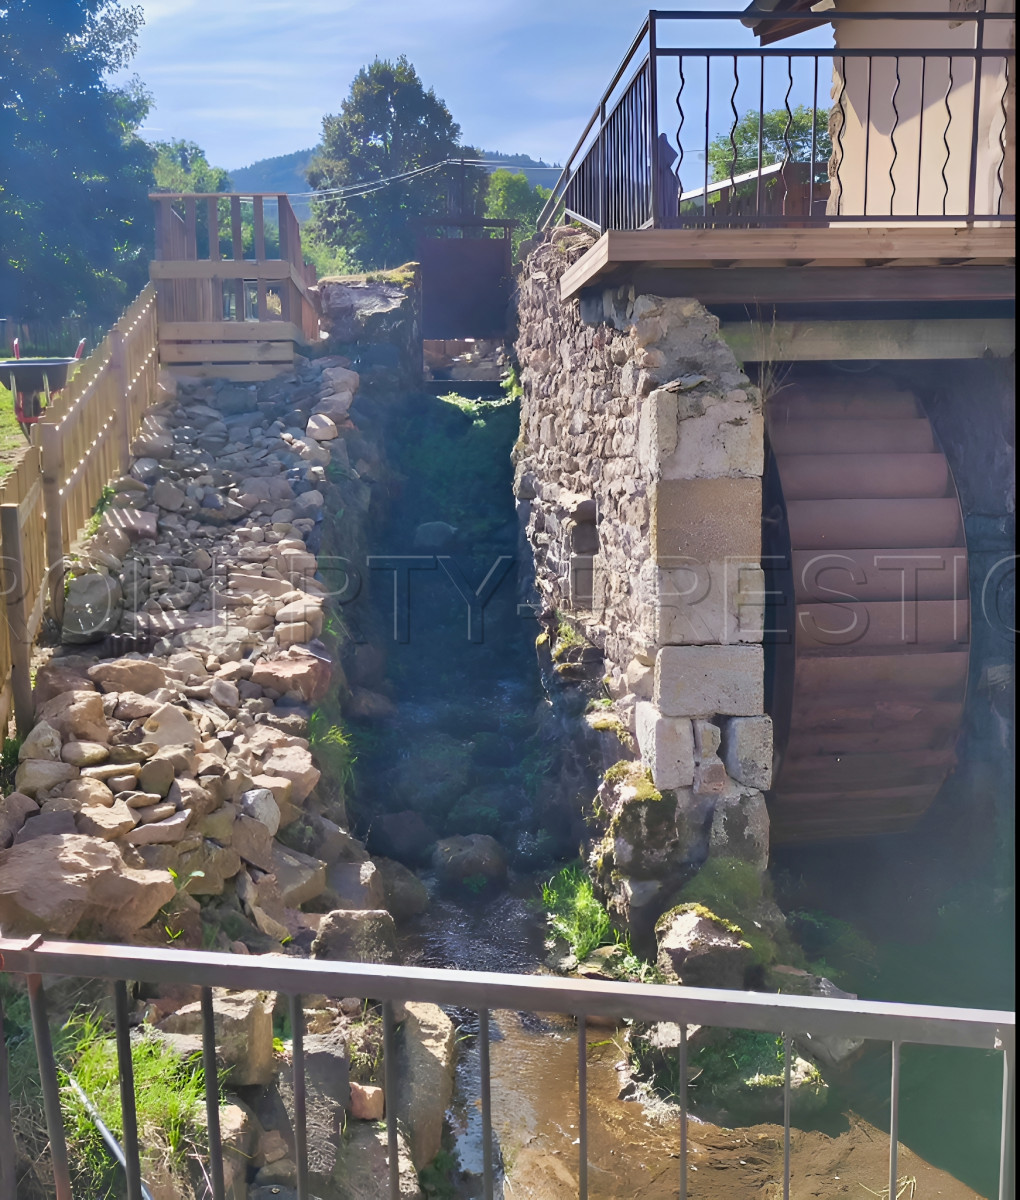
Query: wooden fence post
<point x="53" y="503"/>
<point x="17" y="617"/>
<point x="118" y="367"/>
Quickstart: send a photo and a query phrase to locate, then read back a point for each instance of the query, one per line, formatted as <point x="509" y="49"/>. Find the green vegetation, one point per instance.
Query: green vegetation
<point x="834" y="948"/>
<point x="73" y="207"/>
<point x="102" y="504"/>
<point x="333" y="748"/>
<point x="9" y="763"/>
<point x="474" y="434"/>
<point x="436" y="1178"/>
<point x="389" y="124"/>
<point x="183" y="167"/>
<point x="169" y="1096"/>
<point x="510" y="195"/>
<point x="568" y="640"/>
<point x="574" y="913"/>
<point x="12" y="440"/>
<point x="732" y="891"/>
<point x="777" y="142"/>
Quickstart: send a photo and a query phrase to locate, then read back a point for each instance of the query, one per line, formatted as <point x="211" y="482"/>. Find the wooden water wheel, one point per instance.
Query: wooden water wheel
<point x="868" y="655"/>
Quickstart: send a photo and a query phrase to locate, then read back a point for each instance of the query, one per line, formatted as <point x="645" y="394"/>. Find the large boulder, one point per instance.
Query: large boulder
<point x="473" y="862"/>
<point x="36" y="775"/>
<point x="92" y="609"/>
<point x="356" y="935"/>
<point x="327" y="1094"/>
<point x="699" y="949"/>
<point x="244" y="1033"/>
<point x="425" y="1069"/>
<point x="15" y="809"/>
<point x="139" y="675"/>
<point x="357" y="885"/>
<point x="405" y="894"/>
<point x="77" y="716"/>
<point x="405" y="836"/>
<point x="65" y="674"/>
<point x="362" y="1172"/>
<point x="56" y="883"/>
<point x="296" y="673"/>
<point x="43" y="741"/>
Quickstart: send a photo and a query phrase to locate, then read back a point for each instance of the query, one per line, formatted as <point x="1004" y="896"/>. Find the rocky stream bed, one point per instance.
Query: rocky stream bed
<point x="241" y="744"/>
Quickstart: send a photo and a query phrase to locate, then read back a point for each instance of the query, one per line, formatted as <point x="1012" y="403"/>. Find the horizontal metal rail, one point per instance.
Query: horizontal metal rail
<point x="786" y="1016"/>
<point x="913" y="139"/>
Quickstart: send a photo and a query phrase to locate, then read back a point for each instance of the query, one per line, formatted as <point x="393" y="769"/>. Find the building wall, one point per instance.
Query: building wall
<point x="904" y="131"/>
<point x="639" y="487"/>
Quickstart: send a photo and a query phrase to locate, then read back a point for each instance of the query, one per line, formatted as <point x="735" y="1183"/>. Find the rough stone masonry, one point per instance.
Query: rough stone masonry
<point x="638" y="477"/>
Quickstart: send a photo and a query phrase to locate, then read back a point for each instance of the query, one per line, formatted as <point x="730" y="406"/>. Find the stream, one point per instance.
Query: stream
<point x="469" y="748"/>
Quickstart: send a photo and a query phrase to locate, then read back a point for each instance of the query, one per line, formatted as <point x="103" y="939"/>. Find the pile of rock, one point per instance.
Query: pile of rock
<point x="183" y="764"/>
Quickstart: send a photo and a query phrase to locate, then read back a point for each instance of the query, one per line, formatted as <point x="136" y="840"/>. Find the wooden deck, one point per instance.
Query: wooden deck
<point x="836" y="262"/>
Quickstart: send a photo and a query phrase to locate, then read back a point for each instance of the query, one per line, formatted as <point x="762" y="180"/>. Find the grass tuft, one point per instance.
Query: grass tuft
<point x="574" y="913"/>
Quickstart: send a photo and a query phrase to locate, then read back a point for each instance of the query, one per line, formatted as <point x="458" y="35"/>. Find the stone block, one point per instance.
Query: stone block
<point x="702" y="681"/>
<point x="706" y="521"/>
<point x="728" y="439"/>
<point x="747" y="750"/>
<point x="666" y="745"/>
<point x="740" y="826"/>
<point x="657" y="429"/>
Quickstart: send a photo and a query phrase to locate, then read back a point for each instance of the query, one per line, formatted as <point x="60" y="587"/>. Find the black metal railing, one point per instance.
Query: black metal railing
<point x="897" y="132"/>
<point x="785" y="1015"/>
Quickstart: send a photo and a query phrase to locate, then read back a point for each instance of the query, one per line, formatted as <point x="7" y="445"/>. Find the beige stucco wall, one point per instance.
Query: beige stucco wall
<point x="888" y="140"/>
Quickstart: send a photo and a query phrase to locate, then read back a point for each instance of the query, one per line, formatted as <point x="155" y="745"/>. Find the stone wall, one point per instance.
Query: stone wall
<point x="638" y="475"/>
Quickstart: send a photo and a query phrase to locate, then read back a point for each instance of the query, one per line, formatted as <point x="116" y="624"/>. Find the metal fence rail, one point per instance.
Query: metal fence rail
<point x="786" y="1016"/>
<point x="921" y="133"/>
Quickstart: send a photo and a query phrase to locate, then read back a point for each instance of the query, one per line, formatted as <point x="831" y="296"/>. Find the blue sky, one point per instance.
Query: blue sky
<point x="247" y="79"/>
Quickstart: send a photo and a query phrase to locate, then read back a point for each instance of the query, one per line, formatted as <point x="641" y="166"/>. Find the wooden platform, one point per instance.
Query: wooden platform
<point x="835" y="262"/>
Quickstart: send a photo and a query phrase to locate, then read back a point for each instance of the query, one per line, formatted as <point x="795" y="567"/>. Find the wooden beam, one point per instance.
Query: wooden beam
<point x="225" y="352"/>
<point x="205" y="268"/>
<point x="753" y="286"/>
<point x="832" y="245"/>
<point x="229" y="331"/>
<point x="238" y="373"/>
<point x="819" y="341"/>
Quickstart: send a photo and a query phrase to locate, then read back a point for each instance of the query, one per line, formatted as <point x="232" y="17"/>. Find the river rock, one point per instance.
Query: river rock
<point x="61" y="675"/>
<point x="40" y="774"/>
<point x="434" y="535"/>
<point x="139" y="675"/>
<point x="156" y="776"/>
<point x="425" y="1068"/>
<point x="473" y="861"/>
<point x="86" y="791"/>
<point x="244" y="1033"/>
<point x="299" y="877"/>
<point x="84" y="754"/>
<point x="253" y="841"/>
<point x="170" y="830"/>
<point x="368" y="1103"/>
<point x="698" y="949"/>
<point x="296" y="764"/>
<point x="295" y="673"/>
<point x="404" y="836"/>
<point x="53" y="884"/>
<point x="77" y="716"/>
<point x="53" y="820"/>
<point x="15" y="809"/>
<point x="362" y="1170"/>
<point x="321" y="428"/>
<point x="92" y="609"/>
<point x="42" y="742"/>
<point x="111" y="822"/>
<point x="363" y="935"/>
<point x="260" y="803"/>
<point x="405" y="894"/>
<point x="168" y="726"/>
<point x="357" y="885"/>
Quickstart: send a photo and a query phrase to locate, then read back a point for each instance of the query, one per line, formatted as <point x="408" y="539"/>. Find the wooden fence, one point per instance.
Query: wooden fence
<point x="232" y="284"/>
<point x="82" y="442"/>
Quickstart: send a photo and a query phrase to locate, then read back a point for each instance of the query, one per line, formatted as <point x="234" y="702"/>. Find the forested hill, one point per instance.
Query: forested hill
<point x="286" y="173"/>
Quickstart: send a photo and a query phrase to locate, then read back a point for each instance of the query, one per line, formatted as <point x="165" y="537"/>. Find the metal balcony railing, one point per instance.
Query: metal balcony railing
<point x="786" y="1016"/>
<point x="920" y="125"/>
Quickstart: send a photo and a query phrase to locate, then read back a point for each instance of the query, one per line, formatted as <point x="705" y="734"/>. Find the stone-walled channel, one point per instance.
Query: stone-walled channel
<point x="295" y="708"/>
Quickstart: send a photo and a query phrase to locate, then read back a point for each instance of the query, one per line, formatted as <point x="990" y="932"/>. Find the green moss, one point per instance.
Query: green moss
<point x="728" y="886"/>
<point x="542" y="640"/>
<point x="699" y="910"/>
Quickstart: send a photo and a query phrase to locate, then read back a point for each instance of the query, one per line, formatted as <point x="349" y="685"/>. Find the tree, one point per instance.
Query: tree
<point x="183" y="167"/>
<point x="509" y="195"/>
<point x="74" y="175"/>
<point x="388" y="125"/>
<point x="783" y="136"/>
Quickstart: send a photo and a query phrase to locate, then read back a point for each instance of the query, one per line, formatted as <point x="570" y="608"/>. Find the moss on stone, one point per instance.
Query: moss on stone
<point x="700" y="910"/>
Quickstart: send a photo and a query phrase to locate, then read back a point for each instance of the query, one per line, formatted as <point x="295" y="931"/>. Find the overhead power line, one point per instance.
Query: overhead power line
<point x="366" y="187"/>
